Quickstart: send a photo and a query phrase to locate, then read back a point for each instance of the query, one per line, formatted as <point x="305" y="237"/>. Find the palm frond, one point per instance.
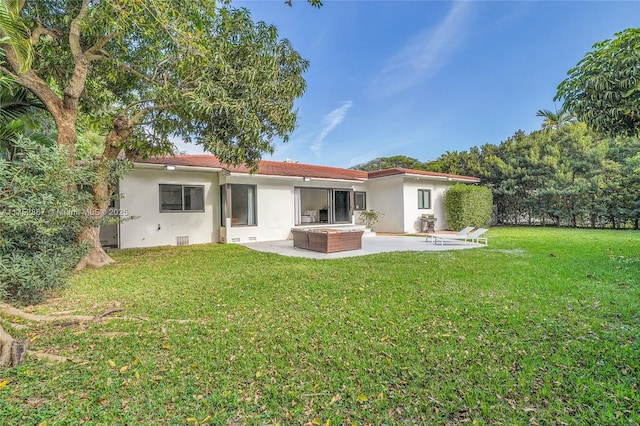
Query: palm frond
<point x="16" y="102"/>
<point x="14" y="33"/>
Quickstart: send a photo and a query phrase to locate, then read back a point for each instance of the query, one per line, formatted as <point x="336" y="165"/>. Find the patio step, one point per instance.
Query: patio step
<point x="368" y="233"/>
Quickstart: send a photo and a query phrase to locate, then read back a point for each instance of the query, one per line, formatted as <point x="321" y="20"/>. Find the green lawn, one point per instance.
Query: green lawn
<point x="540" y="327"/>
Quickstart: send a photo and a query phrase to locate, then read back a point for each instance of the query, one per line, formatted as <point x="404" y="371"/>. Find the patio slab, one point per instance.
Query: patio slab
<point x="370" y="245"/>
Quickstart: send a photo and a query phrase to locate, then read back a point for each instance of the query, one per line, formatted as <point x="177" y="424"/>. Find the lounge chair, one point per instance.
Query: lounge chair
<point x="460" y="234"/>
<point x="474" y="237"/>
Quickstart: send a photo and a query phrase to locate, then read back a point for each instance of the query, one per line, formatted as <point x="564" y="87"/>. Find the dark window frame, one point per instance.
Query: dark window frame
<point x="183" y="202"/>
<point x="421" y="198"/>
<point x="363" y="194"/>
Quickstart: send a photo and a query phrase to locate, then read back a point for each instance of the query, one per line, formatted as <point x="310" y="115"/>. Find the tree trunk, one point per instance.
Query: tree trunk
<point x="96" y="211"/>
<point x="102" y="193"/>
<point x="67" y="138"/>
<point x="12" y="352"/>
<point x="96" y="257"/>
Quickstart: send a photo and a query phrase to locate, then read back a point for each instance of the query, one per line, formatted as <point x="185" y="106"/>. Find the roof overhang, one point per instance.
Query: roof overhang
<point x="305" y="179"/>
<point x="175" y="167"/>
<point x="454" y="179"/>
<point x="417" y="177"/>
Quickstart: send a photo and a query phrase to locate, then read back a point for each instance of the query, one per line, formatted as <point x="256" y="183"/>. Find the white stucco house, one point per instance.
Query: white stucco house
<point x="192" y="199"/>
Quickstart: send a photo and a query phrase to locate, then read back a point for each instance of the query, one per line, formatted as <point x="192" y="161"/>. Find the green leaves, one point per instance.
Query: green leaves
<point x="400" y="161"/>
<point x="39" y="221"/>
<point x="602" y="90"/>
<point x="241" y="97"/>
<point x="565" y="176"/>
<point x="200" y="71"/>
<point x="468" y="206"/>
<point x="15" y="34"/>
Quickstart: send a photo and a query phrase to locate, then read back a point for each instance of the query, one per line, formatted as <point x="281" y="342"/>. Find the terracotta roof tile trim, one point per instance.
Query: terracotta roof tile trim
<point x="283" y="168"/>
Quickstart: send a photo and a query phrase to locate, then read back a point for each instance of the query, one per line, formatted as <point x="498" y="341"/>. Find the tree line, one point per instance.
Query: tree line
<point x="563" y="175"/>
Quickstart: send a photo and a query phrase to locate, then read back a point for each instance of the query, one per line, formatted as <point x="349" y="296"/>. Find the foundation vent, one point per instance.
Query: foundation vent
<point x="182" y="240"/>
<point x="253" y="239"/>
<point x="235" y="240"/>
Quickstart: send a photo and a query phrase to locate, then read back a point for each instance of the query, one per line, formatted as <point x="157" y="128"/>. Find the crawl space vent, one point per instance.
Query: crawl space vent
<point x="235" y="240"/>
<point x="182" y="240"/>
<point x="253" y="239"/>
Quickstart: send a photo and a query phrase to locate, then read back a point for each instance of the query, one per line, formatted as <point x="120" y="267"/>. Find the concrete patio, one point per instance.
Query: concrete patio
<point x="370" y="245"/>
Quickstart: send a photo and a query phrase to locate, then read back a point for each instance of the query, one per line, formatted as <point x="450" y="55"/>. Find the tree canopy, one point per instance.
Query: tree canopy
<point x="151" y="72"/>
<point x="396" y="161"/>
<point x="198" y="71"/>
<point x="603" y="89"/>
<point x="566" y="176"/>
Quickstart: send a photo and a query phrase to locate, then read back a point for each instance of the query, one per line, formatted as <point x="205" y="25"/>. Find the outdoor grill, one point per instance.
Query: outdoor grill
<point x="428" y="223"/>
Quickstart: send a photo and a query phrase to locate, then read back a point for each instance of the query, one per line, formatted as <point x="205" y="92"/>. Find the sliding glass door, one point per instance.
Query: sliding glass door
<point x="322" y="205"/>
<point x="341" y="206"/>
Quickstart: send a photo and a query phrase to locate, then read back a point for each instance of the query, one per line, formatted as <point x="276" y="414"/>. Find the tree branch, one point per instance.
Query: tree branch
<point x="81" y="59"/>
<point x="102" y="41"/>
<point x="157" y="69"/>
<point x="138" y="116"/>
<point x="32" y="82"/>
<point x="135" y="72"/>
<point x="40" y="31"/>
<point x="91" y="58"/>
<point x="141" y="101"/>
<point x="74" y="30"/>
<point x="7" y="71"/>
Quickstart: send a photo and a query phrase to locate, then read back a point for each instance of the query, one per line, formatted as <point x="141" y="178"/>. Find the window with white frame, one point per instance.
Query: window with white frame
<point x="424" y="198"/>
<point x="181" y="198"/>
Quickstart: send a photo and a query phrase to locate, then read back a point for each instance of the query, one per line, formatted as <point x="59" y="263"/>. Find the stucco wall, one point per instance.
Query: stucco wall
<point x="141" y="197"/>
<point x="412" y="213"/>
<point x="385" y="196"/>
<point x="396" y="197"/>
<point x="275" y="207"/>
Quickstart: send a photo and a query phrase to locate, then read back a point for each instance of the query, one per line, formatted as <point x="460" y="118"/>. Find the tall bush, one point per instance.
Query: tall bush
<point x="468" y="206"/>
<point x="40" y="217"/>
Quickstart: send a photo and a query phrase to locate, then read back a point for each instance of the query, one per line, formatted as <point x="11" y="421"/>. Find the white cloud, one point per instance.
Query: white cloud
<point x="424" y="54"/>
<point x="330" y="121"/>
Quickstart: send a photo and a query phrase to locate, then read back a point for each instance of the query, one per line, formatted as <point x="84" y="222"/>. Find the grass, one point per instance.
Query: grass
<point x="541" y="327"/>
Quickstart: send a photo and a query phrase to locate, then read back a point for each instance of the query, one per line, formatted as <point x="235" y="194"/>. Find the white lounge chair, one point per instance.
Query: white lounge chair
<point x="460" y="234"/>
<point x="474" y="237"/>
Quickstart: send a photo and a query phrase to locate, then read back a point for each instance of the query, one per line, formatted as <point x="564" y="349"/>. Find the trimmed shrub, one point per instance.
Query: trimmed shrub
<point x="468" y="206"/>
<point x="41" y="215"/>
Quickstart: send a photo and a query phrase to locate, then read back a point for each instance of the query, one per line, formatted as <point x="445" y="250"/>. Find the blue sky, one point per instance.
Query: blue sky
<point x="419" y="78"/>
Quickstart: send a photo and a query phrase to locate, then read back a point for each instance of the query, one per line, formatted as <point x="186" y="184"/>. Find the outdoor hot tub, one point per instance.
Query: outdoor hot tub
<point x="326" y="240"/>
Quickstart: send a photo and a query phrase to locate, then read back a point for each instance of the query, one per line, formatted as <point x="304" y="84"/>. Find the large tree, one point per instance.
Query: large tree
<point x="603" y="89"/>
<point x="396" y="161"/>
<point x="201" y="71"/>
